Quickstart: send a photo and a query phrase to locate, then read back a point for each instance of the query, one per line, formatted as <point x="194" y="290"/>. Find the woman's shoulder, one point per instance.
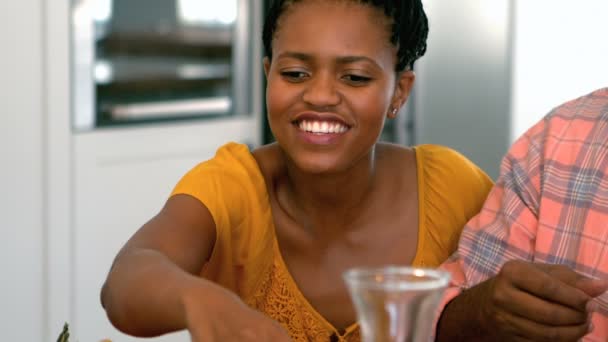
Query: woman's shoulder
<point x="442" y="172"/>
<point x="450" y="182"/>
<point x="232" y="167"/>
<point x="441" y="153"/>
<point x="444" y="163"/>
<point x="229" y="156"/>
<point x="231" y="161"/>
<point x="435" y="161"/>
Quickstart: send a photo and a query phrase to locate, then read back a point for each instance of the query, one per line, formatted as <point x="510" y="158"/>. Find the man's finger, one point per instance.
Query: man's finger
<point x="538" y="281"/>
<point x="523" y="304"/>
<point x="592" y="287"/>
<point x="529" y="330"/>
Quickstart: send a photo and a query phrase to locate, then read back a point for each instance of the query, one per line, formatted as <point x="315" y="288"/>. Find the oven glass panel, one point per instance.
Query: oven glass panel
<point x="155" y="60"/>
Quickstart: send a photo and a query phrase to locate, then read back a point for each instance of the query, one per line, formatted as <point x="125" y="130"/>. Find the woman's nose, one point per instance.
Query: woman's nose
<point x="321" y="91"/>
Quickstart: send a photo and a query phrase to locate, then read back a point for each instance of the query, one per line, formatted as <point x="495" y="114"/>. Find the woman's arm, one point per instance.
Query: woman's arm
<point x="156" y="273"/>
<point x="154" y="286"/>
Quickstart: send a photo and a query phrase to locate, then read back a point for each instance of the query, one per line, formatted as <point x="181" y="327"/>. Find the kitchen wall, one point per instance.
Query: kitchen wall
<point x="560" y="53"/>
<point x="22" y="246"/>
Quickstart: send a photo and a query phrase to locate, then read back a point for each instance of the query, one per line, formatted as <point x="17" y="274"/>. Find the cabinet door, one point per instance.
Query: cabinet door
<point x="122" y="179"/>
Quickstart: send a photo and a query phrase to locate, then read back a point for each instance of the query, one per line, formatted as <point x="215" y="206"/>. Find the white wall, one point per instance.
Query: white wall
<point x="560" y="53"/>
<point x="21" y="171"/>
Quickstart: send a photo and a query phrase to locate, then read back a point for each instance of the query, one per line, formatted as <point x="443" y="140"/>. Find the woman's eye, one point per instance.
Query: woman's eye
<point x="294" y="76"/>
<point x="357" y="79"/>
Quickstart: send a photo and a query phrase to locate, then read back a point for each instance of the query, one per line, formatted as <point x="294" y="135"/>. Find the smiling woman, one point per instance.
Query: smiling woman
<point x="347" y="78"/>
<point x="252" y="245"/>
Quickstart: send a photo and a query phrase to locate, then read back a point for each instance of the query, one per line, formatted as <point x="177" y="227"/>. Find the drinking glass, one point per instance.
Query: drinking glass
<point x="396" y="304"/>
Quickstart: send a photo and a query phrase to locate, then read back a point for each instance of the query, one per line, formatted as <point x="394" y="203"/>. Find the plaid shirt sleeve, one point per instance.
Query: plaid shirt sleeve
<point x="505" y="229"/>
<point x="549" y="205"/>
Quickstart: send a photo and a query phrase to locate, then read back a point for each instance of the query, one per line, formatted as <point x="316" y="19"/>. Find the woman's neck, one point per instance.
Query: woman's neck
<point x="336" y="200"/>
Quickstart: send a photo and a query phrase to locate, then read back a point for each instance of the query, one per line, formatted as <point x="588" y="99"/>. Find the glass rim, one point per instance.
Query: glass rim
<point x="367" y="277"/>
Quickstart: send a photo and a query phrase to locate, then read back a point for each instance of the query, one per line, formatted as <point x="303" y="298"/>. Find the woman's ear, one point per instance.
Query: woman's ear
<point x="403" y="87"/>
<point x="266" y="62"/>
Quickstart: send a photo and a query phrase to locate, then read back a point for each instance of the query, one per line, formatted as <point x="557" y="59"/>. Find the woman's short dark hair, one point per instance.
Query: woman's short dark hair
<point x="408" y="20"/>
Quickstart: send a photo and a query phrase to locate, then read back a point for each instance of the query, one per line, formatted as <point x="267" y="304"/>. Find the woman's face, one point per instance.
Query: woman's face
<point x="331" y="83"/>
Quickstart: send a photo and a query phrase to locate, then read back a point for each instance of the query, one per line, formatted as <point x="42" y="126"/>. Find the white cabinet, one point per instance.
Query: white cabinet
<point x="122" y="178"/>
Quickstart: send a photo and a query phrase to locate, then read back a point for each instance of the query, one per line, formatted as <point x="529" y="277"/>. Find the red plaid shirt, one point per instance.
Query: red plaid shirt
<point x="549" y="205"/>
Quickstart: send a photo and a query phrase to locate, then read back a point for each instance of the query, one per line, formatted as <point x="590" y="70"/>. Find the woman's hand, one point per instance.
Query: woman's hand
<point x="222" y="316"/>
<point x="538" y="302"/>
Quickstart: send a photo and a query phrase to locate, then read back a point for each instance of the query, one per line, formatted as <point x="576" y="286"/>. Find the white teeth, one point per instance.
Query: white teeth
<point x="322" y="127"/>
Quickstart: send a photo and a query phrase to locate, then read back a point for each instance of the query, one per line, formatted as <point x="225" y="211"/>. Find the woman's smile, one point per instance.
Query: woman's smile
<point x="320" y="128"/>
<point x="318" y="132"/>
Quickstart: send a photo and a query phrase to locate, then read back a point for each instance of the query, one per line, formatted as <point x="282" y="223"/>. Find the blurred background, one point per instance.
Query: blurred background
<point x="106" y="103"/>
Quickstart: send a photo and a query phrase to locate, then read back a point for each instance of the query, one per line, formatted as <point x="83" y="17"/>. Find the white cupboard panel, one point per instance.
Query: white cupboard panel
<point x="123" y="178"/>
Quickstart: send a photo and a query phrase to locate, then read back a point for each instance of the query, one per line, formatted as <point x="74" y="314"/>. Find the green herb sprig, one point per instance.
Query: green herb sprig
<point x="65" y="334"/>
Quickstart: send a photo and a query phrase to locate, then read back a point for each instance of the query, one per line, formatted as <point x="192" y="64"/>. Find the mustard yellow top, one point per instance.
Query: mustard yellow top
<point x="246" y="256"/>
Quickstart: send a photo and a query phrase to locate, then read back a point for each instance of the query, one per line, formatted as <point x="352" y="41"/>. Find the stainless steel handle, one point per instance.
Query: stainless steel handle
<point x="171" y="109"/>
<point x="83" y="58"/>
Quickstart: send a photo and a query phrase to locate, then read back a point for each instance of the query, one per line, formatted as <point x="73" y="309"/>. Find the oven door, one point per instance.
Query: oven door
<point x="142" y="61"/>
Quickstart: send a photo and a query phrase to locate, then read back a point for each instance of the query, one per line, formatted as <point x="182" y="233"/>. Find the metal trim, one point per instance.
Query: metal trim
<point x="83" y="57"/>
<point x="241" y="59"/>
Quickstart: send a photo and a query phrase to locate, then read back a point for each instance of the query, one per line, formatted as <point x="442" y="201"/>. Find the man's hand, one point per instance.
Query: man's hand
<point x="539" y="302"/>
<point x="524" y="302"/>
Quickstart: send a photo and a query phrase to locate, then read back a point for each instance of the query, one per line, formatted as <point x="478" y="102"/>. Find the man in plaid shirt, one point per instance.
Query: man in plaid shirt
<point x="533" y="264"/>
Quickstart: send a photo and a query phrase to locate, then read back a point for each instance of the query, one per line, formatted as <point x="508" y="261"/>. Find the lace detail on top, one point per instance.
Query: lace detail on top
<point x="278" y="297"/>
